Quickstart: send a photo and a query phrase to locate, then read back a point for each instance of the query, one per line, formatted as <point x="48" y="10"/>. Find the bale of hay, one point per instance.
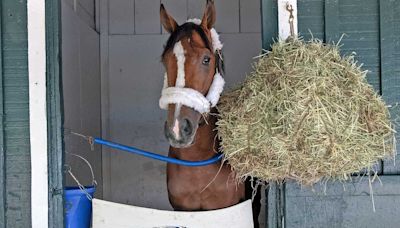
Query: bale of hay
<point x="305" y="113"/>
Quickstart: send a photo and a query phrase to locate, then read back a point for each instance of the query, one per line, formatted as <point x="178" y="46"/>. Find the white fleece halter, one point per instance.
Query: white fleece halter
<point x="187" y="96"/>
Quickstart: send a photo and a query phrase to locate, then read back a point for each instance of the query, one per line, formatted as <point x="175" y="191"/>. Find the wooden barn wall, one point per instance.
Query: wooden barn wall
<point x="15" y="176"/>
<point x="85" y="10"/>
<point x="132" y="40"/>
<point x="81" y="91"/>
<point x="390" y="70"/>
<point x="370" y="28"/>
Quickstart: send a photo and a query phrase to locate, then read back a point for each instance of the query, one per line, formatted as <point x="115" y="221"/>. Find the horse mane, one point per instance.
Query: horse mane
<point x="186" y="30"/>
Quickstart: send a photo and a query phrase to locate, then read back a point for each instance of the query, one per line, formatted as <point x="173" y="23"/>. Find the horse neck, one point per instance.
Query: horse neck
<point x="205" y="143"/>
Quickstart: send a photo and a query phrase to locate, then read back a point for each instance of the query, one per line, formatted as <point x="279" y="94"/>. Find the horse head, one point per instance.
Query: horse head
<point x="193" y="81"/>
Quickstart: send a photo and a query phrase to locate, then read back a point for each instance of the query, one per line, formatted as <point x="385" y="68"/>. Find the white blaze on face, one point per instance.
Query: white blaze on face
<point x="175" y="129"/>
<point x="180" y="57"/>
<point x="180" y="82"/>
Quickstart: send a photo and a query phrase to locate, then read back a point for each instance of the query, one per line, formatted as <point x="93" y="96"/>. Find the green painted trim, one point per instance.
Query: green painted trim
<point x="2" y="150"/>
<point x="274" y="192"/>
<point x="331" y="21"/>
<point x="54" y="113"/>
<point x="275" y="205"/>
<point x="269" y="20"/>
<point x="389" y="80"/>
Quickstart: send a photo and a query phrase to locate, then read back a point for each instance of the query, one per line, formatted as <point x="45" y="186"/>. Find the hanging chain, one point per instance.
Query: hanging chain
<point x="81" y="186"/>
<point x="89" y="139"/>
<point x="289" y="8"/>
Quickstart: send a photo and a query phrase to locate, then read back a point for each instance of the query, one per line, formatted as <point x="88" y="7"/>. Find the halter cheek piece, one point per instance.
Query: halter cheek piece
<point x="193" y="98"/>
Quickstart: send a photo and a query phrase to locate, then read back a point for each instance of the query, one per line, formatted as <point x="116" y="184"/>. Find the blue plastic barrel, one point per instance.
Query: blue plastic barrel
<point x="78" y="207"/>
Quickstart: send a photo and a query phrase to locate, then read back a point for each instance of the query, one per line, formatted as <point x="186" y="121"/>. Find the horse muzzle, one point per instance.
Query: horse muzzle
<point x="181" y="133"/>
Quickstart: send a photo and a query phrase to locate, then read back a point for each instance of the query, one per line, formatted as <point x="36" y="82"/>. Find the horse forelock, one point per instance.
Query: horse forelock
<point x="186" y="30"/>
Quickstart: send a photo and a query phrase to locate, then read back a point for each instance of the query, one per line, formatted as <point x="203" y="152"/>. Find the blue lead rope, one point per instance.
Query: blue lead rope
<point x="159" y="157"/>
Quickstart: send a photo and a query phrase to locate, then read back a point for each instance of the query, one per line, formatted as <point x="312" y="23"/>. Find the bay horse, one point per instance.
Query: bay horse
<point x="192" y="85"/>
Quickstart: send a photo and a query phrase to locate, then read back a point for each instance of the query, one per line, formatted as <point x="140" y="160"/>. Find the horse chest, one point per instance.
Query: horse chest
<point x="200" y="189"/>
<point x="188" y="182"/>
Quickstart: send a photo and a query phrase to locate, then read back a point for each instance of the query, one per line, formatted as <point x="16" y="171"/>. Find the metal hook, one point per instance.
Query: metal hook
<point x="289" y="8"/>
<point x="67" y="168"/>
<point x="89" y="139"/>
<point x="91" y="142"/>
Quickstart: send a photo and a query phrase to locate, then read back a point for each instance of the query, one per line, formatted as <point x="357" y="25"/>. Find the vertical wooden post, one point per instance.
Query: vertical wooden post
<point x="105" y="95"/>
<point x="272" y="26"/>
<point x="2" y="150"/>
<point x="54" y="113"/>
<point x="283" y="18"/>
<point x="37" y="112"/>
<point x="269" y="17"/>
<point x="390" y="80"/>
<point x="15" y="150"/>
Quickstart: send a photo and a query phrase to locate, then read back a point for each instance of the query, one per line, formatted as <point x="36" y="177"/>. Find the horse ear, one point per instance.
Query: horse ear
<point x="209" y="15"/>
<point x="167" y="21"/>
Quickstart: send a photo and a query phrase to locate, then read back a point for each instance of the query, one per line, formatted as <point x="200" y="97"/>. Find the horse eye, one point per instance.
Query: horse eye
<point x="206" y="60"/>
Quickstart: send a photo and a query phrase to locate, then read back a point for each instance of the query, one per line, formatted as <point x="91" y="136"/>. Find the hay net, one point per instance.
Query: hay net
<point x="305" y="113"/>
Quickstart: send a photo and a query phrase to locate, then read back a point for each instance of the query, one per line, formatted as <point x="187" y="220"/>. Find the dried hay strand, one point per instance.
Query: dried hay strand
<point x="305" y="113"/>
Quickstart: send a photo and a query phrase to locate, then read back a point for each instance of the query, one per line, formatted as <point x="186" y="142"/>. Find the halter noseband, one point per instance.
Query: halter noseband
<point x="193" y="98"/>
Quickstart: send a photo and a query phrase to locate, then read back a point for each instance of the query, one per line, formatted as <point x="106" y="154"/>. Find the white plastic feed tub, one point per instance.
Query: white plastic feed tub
<point x="114" y="215"/>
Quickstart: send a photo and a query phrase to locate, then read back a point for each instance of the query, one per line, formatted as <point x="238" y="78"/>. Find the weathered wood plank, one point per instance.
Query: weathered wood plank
<point x="344" y="204"/>
<point x="17" y="156"/>
<point x="227" y="16"/>
<point x="269" y="32"/>
<point x="275" y="206"/>
<point x="71" y="67"/>
<point x="331" y="21"/>
<point x="105" y="104"/>
<point x="90" y="105"/>
<point x="121" y="17"/>
<point x="367" y="7"/>
<point x="361" y="34"/>
<point x="137" y="122"/>
<point x="147" y="17"/>
<point x="81" y="93"/>
<point x="390" y="69"/>
<point x="311" y="19"/>
<point x="177" y="9"/>
<point x="2" y="146"/>
<point x="54" y="114"/>
<point x="88" y="6"/>
<point x="86" y="16"/>
<point x="196" y="9"/>
<point x="269" y="18"/>
<point x="250" y="16"/>
<point x="239" y="51"/>
<point x="84" y="9"/>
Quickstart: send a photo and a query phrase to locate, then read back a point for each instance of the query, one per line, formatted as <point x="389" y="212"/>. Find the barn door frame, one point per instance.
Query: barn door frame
<point x="2" y="139"/>
<point x="274" y="192"/>
<point x="45" y="112"/>
<point x="54" y="113"/>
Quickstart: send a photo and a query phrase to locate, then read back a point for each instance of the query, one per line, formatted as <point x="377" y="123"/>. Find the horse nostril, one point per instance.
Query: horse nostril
<point x="187" y="127"/>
